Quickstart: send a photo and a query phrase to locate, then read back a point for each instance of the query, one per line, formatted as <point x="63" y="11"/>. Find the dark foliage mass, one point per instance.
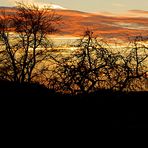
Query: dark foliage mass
<point x="94" y="85"/>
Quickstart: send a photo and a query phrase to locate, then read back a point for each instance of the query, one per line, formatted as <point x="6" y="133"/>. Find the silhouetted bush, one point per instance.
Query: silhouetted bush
<point x="93" y="66"/>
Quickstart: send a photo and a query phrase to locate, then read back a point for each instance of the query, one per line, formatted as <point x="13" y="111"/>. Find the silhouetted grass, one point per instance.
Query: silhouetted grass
<point x="103" y="108"/>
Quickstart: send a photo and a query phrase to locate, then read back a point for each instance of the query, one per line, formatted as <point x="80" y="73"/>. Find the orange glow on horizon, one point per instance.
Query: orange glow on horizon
<point x="74" y="24"/>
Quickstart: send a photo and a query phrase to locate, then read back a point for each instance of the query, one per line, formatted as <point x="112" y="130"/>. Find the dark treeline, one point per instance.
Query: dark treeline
<point x="94" y="83"/>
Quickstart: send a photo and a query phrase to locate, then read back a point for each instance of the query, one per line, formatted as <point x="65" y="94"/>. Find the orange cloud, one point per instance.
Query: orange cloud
<point x="104" y="24"/>
<point x="138" y="11"/>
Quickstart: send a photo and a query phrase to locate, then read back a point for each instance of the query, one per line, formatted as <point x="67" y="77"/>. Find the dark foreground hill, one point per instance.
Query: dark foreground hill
<point x="104" y="108"/>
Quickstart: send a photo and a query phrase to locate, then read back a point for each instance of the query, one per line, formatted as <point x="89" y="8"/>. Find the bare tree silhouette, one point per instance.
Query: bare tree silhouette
<point x="134" y="66"/>
<point x="24" y="43"/>
<point x="93" y="67"/>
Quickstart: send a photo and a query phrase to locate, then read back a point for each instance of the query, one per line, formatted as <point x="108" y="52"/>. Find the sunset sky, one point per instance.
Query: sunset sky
<point x="109" y="18"/>
<point x="91" y="5"/>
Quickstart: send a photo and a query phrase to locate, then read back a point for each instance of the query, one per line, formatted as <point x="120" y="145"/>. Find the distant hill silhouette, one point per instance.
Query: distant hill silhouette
<point x="103" y="108"/>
